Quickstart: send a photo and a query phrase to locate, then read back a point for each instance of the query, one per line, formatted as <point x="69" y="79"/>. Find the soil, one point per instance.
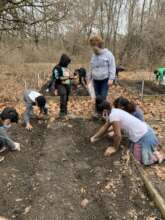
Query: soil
<point x="58" y="168"/>
<point x="150" y="88"/>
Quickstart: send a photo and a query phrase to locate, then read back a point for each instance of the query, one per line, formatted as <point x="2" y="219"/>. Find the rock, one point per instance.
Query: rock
<point x="84" y="203"/>
<point x="18" y="200"/>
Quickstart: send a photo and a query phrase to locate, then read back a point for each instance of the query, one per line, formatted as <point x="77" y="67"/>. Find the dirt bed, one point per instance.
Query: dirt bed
<point x="58" y="168"/>
<point x="150" y="88"/>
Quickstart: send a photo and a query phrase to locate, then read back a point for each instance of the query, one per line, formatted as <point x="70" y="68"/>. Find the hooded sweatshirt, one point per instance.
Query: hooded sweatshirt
<point x="102" y="66"/>
<point x="61" y="70"/>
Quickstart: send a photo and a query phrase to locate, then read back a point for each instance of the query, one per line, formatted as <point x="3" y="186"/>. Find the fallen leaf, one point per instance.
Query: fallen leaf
<point x="84" y="203"/>
<point x="82" y="190"/>
<point x="160" y="172"/>
<point x="27" y="209"/>
<point x="108" y="186"/>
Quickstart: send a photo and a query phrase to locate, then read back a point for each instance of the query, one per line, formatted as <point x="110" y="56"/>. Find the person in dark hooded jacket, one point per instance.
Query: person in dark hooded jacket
<point x="62" y="78"/>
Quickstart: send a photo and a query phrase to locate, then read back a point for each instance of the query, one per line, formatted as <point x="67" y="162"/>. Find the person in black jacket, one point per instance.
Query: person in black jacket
<point x="81" y="74"/>
<point x="62" y="78"/>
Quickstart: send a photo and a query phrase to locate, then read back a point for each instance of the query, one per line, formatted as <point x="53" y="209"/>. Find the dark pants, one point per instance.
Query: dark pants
<point x="63" y="92"/>
<point x="101" y="88"/>
<point x="2" y="143"/>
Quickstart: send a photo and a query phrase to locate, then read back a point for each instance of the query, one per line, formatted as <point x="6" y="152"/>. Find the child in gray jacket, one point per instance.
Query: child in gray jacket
<point x="33" y="98"/>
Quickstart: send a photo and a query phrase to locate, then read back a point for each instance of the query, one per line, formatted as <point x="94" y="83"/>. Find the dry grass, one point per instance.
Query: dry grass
<point x="16" y="78"/>
<point x="137" y="75"/>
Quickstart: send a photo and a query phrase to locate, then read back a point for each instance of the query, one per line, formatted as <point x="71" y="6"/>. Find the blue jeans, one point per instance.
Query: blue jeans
<point x="101" y="88"/>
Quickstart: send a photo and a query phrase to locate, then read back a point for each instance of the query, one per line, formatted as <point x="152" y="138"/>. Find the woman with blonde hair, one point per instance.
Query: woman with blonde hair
<point x="103" y="67"/>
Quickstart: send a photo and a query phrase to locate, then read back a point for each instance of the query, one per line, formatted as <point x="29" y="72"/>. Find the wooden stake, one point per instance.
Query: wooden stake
<point x="142" y="91"/>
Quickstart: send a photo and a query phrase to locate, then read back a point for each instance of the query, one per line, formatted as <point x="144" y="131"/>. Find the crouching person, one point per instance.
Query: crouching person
<point x="33" y="98"/>
<point x="7" y="117"/>
<point x="129" y="107"/>
<point x="146" y="146"/>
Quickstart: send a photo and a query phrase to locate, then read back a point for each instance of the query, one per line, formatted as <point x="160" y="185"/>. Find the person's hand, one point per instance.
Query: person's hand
<point x="93" y="139"/>
<point x="55" y="92"/>
<point x="72" y="77"/>
<point x="29" y="127"/>
<point x="111" y="134"/>
<point x="88" y="82"/>
<point x="110" y="82"/>
<point x="109" y="151"/>
<point x="17" y="146"/>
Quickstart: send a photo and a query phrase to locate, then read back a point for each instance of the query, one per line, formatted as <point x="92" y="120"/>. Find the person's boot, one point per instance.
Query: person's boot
<point x="62" y="115"/>
<point x="2" y="149"/>
<point x="2" y="158"/>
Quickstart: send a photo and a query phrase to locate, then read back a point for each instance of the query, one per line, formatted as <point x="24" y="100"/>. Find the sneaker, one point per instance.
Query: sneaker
<point x="62" y="115"/>
<point x="2" y="159"/>
<point x="17" y="147"/>
<point x="2" y="149"/>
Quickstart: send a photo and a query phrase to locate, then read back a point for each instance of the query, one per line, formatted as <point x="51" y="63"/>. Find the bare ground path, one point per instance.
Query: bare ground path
<point x="58" y="168"/>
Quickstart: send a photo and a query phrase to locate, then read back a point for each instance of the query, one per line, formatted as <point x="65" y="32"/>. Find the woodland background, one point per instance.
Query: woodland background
<point x="34" y="31"/>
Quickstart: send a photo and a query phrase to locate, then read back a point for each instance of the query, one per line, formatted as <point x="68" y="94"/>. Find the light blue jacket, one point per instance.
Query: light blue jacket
<point x="5" y="138"/>
<point x="102" y="66"/>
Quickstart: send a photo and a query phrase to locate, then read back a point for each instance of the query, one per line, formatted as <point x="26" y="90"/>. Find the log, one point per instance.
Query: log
<point x="155" y="195"/>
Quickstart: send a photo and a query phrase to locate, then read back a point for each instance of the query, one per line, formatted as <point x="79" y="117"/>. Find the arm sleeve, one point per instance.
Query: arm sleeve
<point x="112" y="67"/>
<point x="114" y="117"/>
<point x="8" y="141"/>
<point x="28" y="112"/>
<point x="89" y="75"/>
<point x="56" y="75"/>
